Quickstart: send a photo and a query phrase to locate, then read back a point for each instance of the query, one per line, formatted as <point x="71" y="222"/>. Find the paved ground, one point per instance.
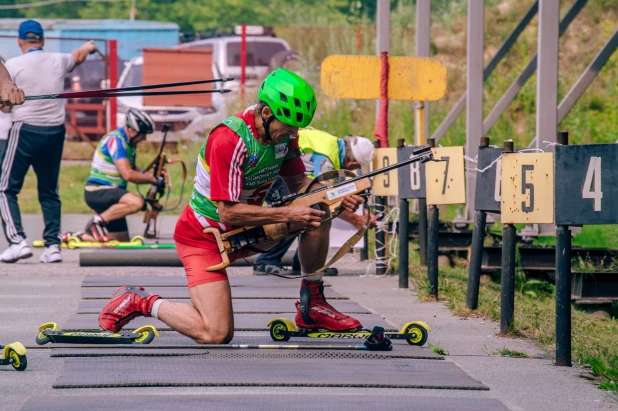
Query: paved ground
<point x="33" y="293"/>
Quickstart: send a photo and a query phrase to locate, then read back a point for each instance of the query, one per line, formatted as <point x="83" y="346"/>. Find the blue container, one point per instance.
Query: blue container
<point x="132" y="36"/>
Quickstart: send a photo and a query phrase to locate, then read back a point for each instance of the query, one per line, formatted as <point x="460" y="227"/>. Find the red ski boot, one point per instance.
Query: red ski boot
<point x="126" y="304"/>
<point x="313" y="312"/>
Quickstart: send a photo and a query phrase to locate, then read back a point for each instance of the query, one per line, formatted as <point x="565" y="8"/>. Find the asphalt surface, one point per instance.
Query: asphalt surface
<point x="33" y="293"/>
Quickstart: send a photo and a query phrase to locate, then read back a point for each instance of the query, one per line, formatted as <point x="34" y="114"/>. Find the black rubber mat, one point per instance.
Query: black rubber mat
<point x="181" y="281"/>
<point x="242" y="322"/>
<point x="146" y="351"/>
<point x="150" y="258"/>
<point x="261" y="402"/>
<point x="105" y="293"/>
<point x="298" y="372"/>
<point x="242" y="306"/>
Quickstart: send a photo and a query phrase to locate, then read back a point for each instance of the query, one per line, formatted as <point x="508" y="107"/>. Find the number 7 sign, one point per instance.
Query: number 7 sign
<point x="445" y="179"/>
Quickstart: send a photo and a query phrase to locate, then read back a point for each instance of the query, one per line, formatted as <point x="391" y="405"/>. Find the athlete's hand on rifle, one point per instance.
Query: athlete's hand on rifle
<point x="351" y="203"/>
<point x="10" y="94"/>
<point x="304" y="216"/>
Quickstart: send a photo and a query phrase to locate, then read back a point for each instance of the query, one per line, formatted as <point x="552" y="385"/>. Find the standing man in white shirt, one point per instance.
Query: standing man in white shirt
<point x="36" y="139"/>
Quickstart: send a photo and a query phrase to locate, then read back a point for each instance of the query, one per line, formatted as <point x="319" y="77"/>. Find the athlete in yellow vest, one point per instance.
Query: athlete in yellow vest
<point x="322" y="152"/>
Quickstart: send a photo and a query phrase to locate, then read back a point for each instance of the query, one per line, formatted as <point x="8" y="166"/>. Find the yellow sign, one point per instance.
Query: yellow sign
<point x="445" y="179"/>
<point x="385" y="184"/>
<point x="358" y="77"/>
<point x="527" y="188"/>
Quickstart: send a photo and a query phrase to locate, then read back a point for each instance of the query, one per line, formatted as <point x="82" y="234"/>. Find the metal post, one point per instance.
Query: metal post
<point x="432" y="250"/>
<point x="380" y="237"/>
<point x="404" y="220"/>
<point x="243" y="60"/>
<point x="507" y="286"/>
<point x="422" y="230"/>
<point x="547" y="79"/>
<point x="502" y="51"/>
<point x="433" y="233"/>
<point x="423" y="33"/>
<point x="113" y="82"/>
<point x="474" y="99"/>
<point x="563" y="287"/>
<point x="383" y="13"/>
<point x="476" y="252"/>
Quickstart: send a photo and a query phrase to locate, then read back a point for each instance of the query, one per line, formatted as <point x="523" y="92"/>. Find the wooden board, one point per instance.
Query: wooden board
<point x="445" y="180"/>
<point x="358" y="77"/>
<point x="527" y="188"/>
<point x="586" y="186"/>
<point x="385" y="184"/>
<point x="178" y="65"/>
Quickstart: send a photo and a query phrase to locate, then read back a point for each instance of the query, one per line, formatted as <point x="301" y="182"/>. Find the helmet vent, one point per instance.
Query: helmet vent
<point x="299" y="117"/>
<point x="283" y="97"/>
<point x="297" y="103"/>
<point x="286" y="113"/>
<point x="308" y="106"/>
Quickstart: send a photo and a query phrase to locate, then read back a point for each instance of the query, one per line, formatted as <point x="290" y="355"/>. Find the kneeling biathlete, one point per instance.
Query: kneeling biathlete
<point x="237" y="164"/>
<point x="113" y="166"/>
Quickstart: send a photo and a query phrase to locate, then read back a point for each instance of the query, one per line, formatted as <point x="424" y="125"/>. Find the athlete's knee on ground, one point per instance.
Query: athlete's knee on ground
<point x="216" y="335"/>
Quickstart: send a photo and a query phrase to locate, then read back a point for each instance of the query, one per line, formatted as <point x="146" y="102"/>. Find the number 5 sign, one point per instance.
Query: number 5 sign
<point x="445" y="179"/>
<point x="527" y="188"/>
<point x="586" y="184"/>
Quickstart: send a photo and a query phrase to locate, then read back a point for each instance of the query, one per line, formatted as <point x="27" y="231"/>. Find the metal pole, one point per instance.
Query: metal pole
<point x="432" y="250"/>
<point x="113" y="82"/>
<point x="507" y="286"/>
<point x="476" y="252"/>
<point x="563" y="287"/>
<point x="474" y="99"/>
<point x="547" y="79"/>
<point x="243" y="60"/>
<point x="423" y="34"/>
<point x="383" y="13"/>
<point x="422" y="229"/>
<point x="502" y="51"/>
<point x="432" y="243"/>
<point x="404" y="220"/>
<point x="380" y="237"/>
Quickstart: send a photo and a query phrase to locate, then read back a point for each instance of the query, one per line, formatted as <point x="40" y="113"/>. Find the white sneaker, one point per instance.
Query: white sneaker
<point x="51" y="254"/>
<point x="16" y="252"/>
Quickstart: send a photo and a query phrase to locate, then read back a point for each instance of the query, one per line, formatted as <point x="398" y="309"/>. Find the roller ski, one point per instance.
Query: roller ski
<point x="73" y="241"/>
<point x="14" y="354"/>
<point x="50" y="332"/>
<point x="316" y="318"/>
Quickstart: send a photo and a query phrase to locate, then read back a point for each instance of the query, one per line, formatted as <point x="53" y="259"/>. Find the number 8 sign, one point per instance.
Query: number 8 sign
<point x="586" y="190"/>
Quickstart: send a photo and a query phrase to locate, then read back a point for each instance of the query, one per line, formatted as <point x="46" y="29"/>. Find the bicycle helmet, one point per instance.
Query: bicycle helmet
<point x="140" y="121"/>
<point x="290" y="98"/>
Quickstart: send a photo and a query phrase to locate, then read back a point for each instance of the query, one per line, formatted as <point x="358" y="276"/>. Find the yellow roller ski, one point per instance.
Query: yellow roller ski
<point x="50" y="332"/>
<point x="14" y="354"/>
<point x="75" y="242"/>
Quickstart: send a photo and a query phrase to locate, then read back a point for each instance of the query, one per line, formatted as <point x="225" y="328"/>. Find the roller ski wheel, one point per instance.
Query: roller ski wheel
<point x="277" y="327"/>
<point x="50" y="332"/>
<point x="137" y="240"/>
<point x="15" y="355"/>
<point x="418" y="334"/>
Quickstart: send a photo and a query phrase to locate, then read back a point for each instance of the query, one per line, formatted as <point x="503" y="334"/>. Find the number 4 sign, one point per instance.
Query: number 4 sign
<point x="527" y="188"/>
<point x="586" y="190"/>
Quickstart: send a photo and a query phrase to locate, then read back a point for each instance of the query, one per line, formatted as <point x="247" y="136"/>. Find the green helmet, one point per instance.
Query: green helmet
<point x="290" y="98"/>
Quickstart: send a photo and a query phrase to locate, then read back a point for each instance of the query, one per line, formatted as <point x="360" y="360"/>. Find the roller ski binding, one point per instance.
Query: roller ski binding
<point x="50" y="332"/>
<point x="14" y="354"/>
<point x="415" y="333"/>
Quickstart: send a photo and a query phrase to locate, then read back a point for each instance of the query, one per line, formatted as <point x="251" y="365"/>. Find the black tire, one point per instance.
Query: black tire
<point x="275" y="328"/>
<point x="42" y="339"/>
<point x="20" y="362"/>
<point x="420" y="331"/>
<point x="149" y="336"/>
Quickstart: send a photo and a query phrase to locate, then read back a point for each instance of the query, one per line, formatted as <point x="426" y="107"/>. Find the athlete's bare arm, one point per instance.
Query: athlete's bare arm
<point x="9" y="93"/>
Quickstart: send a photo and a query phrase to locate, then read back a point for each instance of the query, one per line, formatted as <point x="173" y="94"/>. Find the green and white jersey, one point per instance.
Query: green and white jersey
<point x="112" y="147"/>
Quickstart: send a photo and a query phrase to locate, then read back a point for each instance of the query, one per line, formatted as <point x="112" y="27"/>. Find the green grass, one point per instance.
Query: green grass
<point x="505" y="352"/>
<point x="437" y="349"/>
<point x="594" y="339"/>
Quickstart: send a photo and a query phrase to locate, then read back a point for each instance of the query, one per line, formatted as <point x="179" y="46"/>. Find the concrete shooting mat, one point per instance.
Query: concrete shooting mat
<point x="181" y="281"/>
<point x="260" y="402"/>
<point x="242" y="322"/>
<point x="296" y="372"/>
<point x="242" y="306"/>
<point x="182" y="293"/>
